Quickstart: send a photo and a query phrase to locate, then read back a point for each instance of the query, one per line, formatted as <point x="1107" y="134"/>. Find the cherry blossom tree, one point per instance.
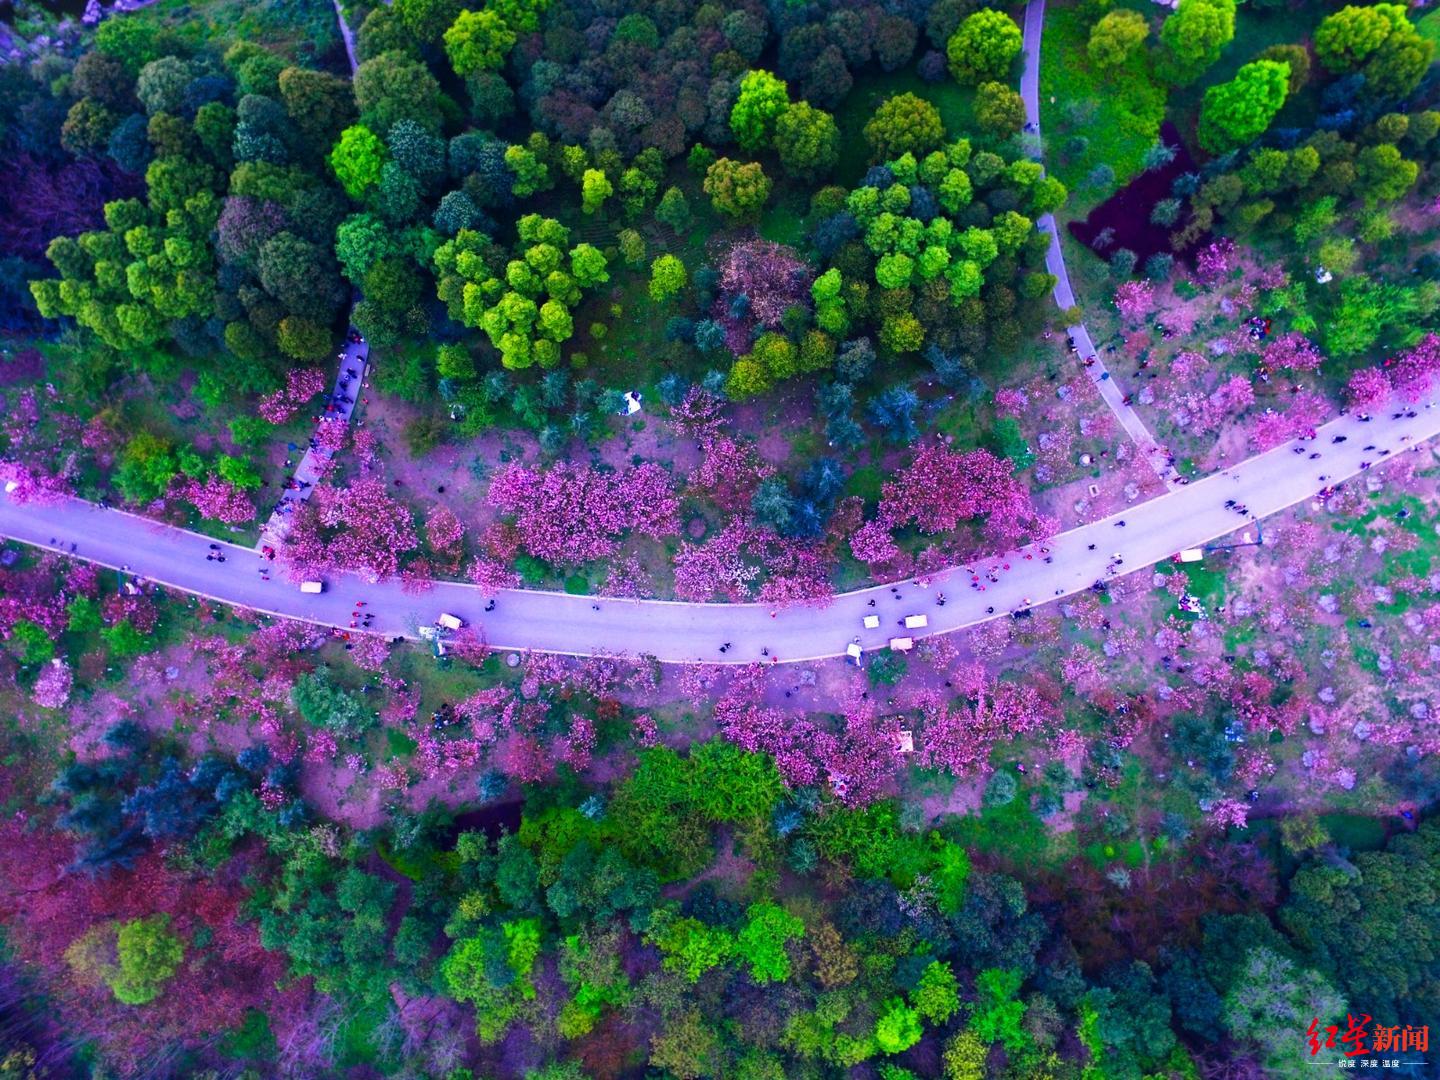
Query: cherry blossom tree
<point x="1292" y="352"/>
<point x="301" y="386"/>
<point x="571" y="514"/>
<point x="941" y="489"/>
<point x="1134" y="299"/>
<point x="215" y="498"/>
<point x="358" y="528"/>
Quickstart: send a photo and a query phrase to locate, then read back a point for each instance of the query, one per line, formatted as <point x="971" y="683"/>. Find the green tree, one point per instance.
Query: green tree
<point x="898" y="1027"/>
<point x="998" y="1015"/>
<point x="426" y="20"/>
<point x="983" y="48"/>
<point x="807" y="140"/>
<point x="936" y="996"/>
<point x="1236" y="112"/>
<point x="1270" y="1000"/>
<point x="761" y="101"/>
<point x="394" y="87"/>
<point x="907" y="124"/>
<point x="1382" y="174"/>
<point x="999" y="109"/>
<point x="148" y="954"/>
<point x="667" y="278"/>
<point x="454" y="362"/>
<point x="357" y="160"/>
<point x="1379" y="41"/>
<point x="29" y="643"/>
<point x="478" y="41"/>
<point x="303" y="339"/>
<point x="737" y="189"/>
<point x="1116" y="38"/>
<point x="1192" y="37"/>
<point x="595" y="188"/>
<point x="761" y="941"/>
<point x="674" y="210"/>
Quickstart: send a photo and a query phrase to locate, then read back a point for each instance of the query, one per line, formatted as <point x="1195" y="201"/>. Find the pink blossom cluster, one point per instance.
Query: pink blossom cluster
<point x="873" y="545"/>
<point x="1215" y="260"/>
<point x="216" y="498"/>
<point x="729" y="473"/>
<point x="572" y="514"/>
<point x="33" y="484"/>
<point x="301" y="384"/>
<point x="1306" y="411"/>
<point x="699" y="416"/>
<point x="1134" y="299"/>
<point x="1011" y="402"/>
<point x="629" y="579"/>
<point x="1292" y="352"/>
<point x="942" y="488"/>
<point x="358" y="528"/>
<point x="52" y="687"/>
<point x="855" y="763"/>
<point x="958" y="735"/>
<point x="772" y="277"/>
<point x="444" y="531"/>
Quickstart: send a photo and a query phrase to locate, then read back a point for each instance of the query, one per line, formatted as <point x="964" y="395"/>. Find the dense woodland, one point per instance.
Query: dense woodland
<point x="1131" y="844"/>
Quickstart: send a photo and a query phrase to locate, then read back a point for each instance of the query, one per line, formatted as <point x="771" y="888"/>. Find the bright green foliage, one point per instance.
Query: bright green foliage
<point x="807" y="140"/>
<point x="999" y="109"/>
<point x="830" y="313"/>
<point x="964" y="1057"/>
<point x="936" y="996"/>
<point x="999" y="1016"/>
<point x="673" y="210"/>
<point x="984" y="46"/>
<point x="393" y="87"/>
<point x="148" y="955"/>
<point x="762" y="100"/>
<point x="737" y="189"/>
<point x="303" y="339"/>
<point x="532" y="175"/>
<point x="357" y="160"/>
<point x="1116" y="38"/>
<point x="478" y="41"/>
<point x="454" y="362"/>
<point x="29" y="643"/>
<point x="906" y="124"/>
<point x="1379" y="41"/>
<point x="1193" y="36"/>
<point x="761" y="942"/>
<point x="667" y="278"/>
<point x="1238" y="111"/>
<point x="894" y="271"/>
<point x="690" y="946"/>
<point x="898" y="1028"/>
<point x="1382" y="174"/>
<point x="595" y="188"/>
<point x="1375" y="932"/>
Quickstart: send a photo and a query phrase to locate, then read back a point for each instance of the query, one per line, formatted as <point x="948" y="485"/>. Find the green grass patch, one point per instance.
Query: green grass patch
<point x="1012" y="832"/>
<point x="398" y="743"/>
<point x="865" y="482"/>
<point x="577" y="585"/>
<point x="1119" y="113"/>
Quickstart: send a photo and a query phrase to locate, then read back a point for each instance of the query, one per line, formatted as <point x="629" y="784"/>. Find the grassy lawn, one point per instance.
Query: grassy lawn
<point x="1120" y="126"/>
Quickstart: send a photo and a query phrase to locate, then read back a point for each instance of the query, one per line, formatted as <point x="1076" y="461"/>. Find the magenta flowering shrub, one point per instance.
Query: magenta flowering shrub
<point x="33" y="484"/>
<point x="1414" y="371"/>
<point x="728" y="474"/>
<point x="52" y="686"/>
<point x="301" y="385"/>
<point x="216" y="498"/>
<point x="941" y="489"/>
<point x="1292" y="352"/>
<point x="771" y="277"/>
<point x="359" y="528"/>
<point x="1011" y="402"/>
<point x="1215" y="260"/>
<point x="572" y="514"/>
<point x="1134" y="299"/>
<point x="1304" y="412"/>
<point x="958" y="734"/>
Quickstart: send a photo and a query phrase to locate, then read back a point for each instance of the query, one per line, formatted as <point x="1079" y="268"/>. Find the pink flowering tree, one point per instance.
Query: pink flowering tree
<point x="301" y="386"/>
<point x="1292" y="352"/>
<point x="52" y="687"/>
<point x="1215" y="260"/>
<point x="571" y="514"/>
<point x="729" y="473"/>
<point x="771" y="278"/>
<point x="359" y="528"/>
<point x="33" y="484"/>
<point x="215" y="498"/>
<point x="1368" y="388"/>
<point x="1134" y="300"/>
<point x="1011" y="402"/>
<point x="1414" y="371"/>
<point x="942" y="489"/>
<point x="445" y="534"/>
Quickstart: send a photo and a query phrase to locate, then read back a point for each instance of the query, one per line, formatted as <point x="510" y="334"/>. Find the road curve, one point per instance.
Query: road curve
<point x="676" y="632"/>
<point x="1114" y="397"/>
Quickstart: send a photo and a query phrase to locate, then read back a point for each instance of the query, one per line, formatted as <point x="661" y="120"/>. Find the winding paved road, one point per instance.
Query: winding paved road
<point x="685" y="633"/>
<point x="1154" y="454"/>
